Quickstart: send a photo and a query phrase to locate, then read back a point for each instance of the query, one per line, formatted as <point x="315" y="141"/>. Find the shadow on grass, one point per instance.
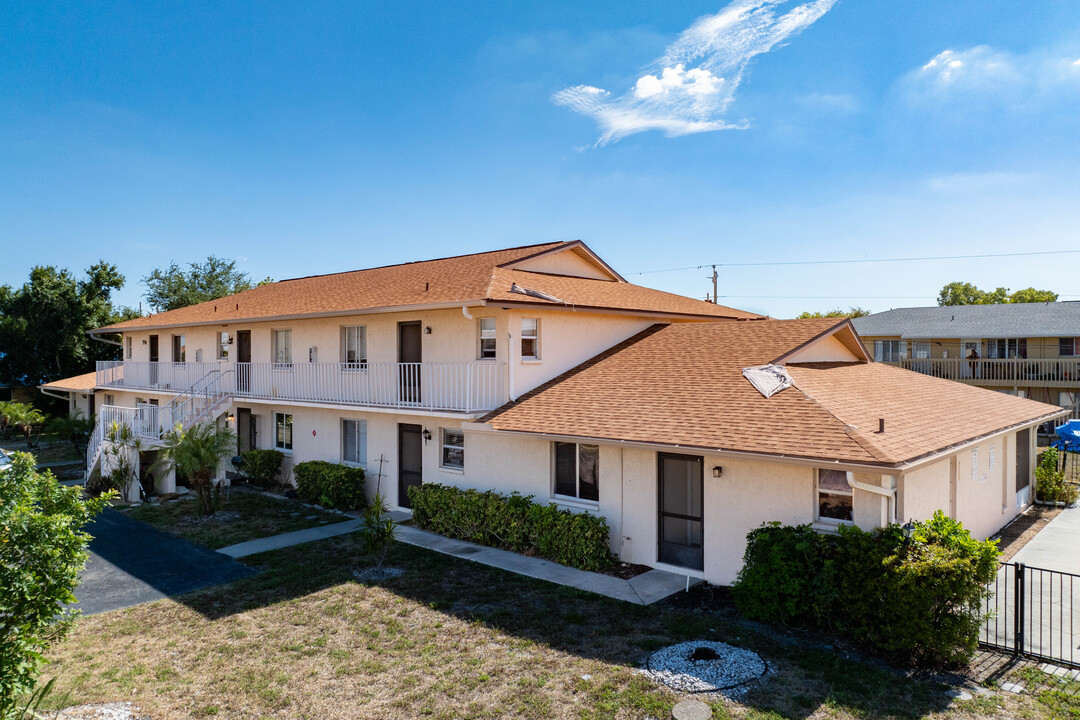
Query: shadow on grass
<point x="802" y="681"/>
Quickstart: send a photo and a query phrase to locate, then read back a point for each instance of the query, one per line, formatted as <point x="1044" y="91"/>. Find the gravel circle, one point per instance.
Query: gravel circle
<point x="731" y="668"/>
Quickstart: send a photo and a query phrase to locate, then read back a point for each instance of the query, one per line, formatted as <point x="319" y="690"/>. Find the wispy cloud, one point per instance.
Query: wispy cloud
<point x="688" y="90"/>
<point x="979" y="182"/>
<point x="988" y="73"/>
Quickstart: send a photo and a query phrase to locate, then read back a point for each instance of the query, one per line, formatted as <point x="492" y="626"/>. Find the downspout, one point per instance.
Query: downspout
<point x="510" y="366"/>
<point x="103" y="340"/>
<point x="466" y="313"/>
<point x="889" y="495"/>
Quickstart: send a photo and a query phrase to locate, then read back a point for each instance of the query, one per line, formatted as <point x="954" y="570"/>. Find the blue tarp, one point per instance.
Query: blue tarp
<point x="1068" y="437"/>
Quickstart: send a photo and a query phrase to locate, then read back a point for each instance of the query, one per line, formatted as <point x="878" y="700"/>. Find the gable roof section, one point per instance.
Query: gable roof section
<point x="681" y="385"/>
<point x="447" y="281"/>
<point x="1057" y="319"/>
<point x="78" y="383"/>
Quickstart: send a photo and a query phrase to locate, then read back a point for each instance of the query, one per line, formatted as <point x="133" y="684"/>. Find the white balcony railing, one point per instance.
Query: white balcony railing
<point x="448" y="386"/>
<point x="1013" y="372"/>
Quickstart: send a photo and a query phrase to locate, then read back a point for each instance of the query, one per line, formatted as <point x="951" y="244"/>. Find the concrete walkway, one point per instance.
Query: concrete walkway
<point x="645" y="589"/>
<point x="1057" y="546"/>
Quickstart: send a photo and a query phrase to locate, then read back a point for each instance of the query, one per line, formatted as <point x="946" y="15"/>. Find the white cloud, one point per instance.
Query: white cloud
<point x="987" y="73"/>
<point x="979" y="182"/>
<point x="691" y="86"/>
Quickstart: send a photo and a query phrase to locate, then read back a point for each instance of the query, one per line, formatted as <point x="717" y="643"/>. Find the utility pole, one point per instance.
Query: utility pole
<point x="713" y="278"/>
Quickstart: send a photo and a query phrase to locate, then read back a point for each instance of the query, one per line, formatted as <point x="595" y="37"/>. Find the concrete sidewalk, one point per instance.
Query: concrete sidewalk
<point x="645" y="589"/>
<point x="1057" y="546"/>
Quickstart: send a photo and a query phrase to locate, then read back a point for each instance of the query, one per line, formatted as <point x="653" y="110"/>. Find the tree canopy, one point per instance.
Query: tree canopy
<point x="852" y="312"/>
<point x="958" y="293"/>
<point x="44" y="323"/>
<point x="175" y="287"/>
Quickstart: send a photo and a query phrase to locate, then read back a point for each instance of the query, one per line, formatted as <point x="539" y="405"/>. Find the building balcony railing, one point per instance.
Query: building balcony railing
<point x="444" y="386"/>
<point x="1013" y="372"/>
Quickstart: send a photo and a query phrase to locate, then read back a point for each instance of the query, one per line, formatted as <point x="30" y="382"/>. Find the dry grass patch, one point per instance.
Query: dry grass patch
<point x="448" y="639"/>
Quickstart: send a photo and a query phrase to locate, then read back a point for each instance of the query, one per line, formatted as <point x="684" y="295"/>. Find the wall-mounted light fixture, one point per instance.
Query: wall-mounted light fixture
<point x="230" y="339"/>
<point x="143" y="342"/>
<point x="427" y="330"/>
<point x="717" y="471"/>
<point x="426" y="435"/>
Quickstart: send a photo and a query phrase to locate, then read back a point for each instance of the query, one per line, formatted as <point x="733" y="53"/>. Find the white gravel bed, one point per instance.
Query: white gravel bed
<point x="727" y="672"/>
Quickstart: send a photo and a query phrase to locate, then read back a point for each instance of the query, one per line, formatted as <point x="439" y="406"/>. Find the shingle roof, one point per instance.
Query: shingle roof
<point x="1057" y="319"/>
<point x="682" y="385"/>
<point x="77" y="383"/>
<point x="461" y="279"/>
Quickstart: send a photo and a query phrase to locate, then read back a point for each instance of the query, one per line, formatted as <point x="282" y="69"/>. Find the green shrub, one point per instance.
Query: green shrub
<point x="42" y="549"/>
<point x="917" y="600"/>
<point x="1050" y="485"/>
<point x="331" y="485"/>
<point x="513" y="522"/>
<point x="262" y="467"/>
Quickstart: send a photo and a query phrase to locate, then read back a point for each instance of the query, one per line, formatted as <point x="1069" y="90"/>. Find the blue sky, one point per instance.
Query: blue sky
<point x="304" y="138"/>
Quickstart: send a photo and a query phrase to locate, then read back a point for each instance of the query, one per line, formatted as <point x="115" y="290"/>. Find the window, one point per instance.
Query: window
<point x="577" y="471"/>
<point x="109" y="400"/>
<point x="179" y="348"/>
<point x="530" y="338"/>
<point x="127" y="347"/>
<point x="921" y="350"/>
<point x="283" y="431"/>
<point x="487" y="338"/>
<point x="453" y="449"/>
<point x="1067" y="347"/>
<point x="354" y="346"/>
<point x="281" y="341"/>
<point x="1003" y="348"/>
<point x="1068" y="399"/>
<point x="223" y="345"/>
<point x="834" y="495"/>
<point x="889" y="350"/>
<point x="354" y="442"/>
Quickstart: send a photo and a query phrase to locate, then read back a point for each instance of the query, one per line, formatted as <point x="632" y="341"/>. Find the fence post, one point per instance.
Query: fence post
<point x="1021" y="605"/>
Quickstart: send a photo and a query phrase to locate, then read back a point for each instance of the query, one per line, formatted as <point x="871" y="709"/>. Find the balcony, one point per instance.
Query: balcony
<point x="467" y="387"/>
<point x="1014" y="372"/>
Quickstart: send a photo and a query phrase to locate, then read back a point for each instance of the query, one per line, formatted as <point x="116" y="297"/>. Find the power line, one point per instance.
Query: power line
<point x="866" y="260"/>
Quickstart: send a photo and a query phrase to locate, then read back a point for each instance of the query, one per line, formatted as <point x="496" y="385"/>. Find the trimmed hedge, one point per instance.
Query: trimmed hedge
<point x="919" y="601"/>
<point x="331" y="485"/>
<point x="262" y="467"/>
<point x="514" y="523"/>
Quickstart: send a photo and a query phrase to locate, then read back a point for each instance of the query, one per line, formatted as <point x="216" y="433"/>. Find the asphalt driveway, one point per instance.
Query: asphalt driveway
<point x="132" y="563"/>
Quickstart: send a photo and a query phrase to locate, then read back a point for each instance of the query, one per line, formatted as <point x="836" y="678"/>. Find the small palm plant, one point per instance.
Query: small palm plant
<point x="120" y="455"/>
<point x="197" y="452"/>
<point x="377" y="530"/>
<point x="25" y="417"/>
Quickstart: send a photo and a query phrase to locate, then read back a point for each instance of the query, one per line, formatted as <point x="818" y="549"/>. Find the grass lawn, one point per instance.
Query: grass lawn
<point x="450" y="639"/>
<point x="246" y="515"/>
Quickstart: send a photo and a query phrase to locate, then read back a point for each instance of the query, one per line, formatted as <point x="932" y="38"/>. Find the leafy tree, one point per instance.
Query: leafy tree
<point x="196" y="452"/>
<point x="852" y="312"/>
<point x="958" y="293"/>
<point x="44" y="323"/>
<point x="23" y="416"/>
<point x="175" y="287"/>
<point x="42" y="550"/>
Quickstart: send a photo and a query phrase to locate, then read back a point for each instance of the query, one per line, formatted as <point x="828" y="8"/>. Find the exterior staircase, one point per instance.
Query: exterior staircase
<point x="201" y="402"/>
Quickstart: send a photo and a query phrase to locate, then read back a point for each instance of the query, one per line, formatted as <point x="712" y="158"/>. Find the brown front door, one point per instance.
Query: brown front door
<point x="410" y="357"/>
<point x="410" y="461"/>
<point x="153" y="359"/>
<point x="243" y="361"/>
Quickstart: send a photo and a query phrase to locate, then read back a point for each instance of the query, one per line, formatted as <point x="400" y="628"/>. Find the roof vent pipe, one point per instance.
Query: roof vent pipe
<point x="881" y="425"/>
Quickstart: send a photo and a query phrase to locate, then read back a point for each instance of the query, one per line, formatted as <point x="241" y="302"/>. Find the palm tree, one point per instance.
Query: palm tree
<point x="74" y="429"/>
<point x="197" y="452"/>
<point x="23" y="416"/>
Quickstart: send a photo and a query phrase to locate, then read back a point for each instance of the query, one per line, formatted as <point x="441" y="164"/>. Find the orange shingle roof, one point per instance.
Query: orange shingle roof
<point x="682" y="385"/>
<point x="461" y="279"/>
<point x="77" y="383"/>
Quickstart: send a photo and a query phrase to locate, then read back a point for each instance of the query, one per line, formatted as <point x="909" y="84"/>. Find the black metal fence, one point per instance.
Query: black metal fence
<point x="1031" y="613"/>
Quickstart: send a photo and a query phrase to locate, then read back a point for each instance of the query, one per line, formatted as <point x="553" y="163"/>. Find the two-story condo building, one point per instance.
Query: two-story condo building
<point x="541" y="370"/>
<point x="1027" y="349"/>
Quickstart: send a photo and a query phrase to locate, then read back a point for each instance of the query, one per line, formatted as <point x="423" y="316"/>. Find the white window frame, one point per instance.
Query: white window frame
<point x="223" y="345"/>
<point x="286" y="422"/>
<point x="359" y="433"/>
<point x="1073" y="351"/>
<point x="921" y="350"/>
<point x="181" y="346"/>
<point x="533" y="334"/>
<point x="819" y="491"/>
<point x="109" y="399"/>
<point x="354" y="335"/>
<point x="276" y="337"/>
<point x="485" y="335"/>
<point x="577" y="474"/>
<point x="129" y="348"/>
<point x="879" y="350"/>
<point x="444" y="445"/>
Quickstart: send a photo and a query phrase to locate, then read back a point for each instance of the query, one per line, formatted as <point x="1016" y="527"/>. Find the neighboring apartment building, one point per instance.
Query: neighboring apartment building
<point x="541" y="370"/>
<point x="1027" y="349"/>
